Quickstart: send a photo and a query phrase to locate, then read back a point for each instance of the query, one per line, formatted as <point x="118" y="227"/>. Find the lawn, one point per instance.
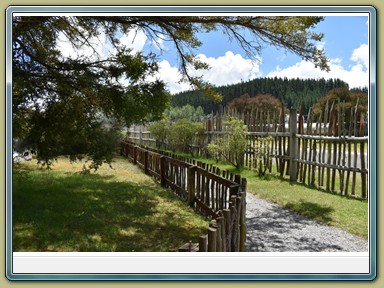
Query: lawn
<point x="119" y="209"/>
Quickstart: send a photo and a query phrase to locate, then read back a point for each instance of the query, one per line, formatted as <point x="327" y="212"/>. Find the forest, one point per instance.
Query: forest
<point x="291" y="92"/>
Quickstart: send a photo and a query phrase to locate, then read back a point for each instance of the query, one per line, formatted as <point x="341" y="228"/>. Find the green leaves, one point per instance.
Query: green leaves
<point x="181" y="133"/>
<point x="62" y="96"/>
<point x="232" y="145"/>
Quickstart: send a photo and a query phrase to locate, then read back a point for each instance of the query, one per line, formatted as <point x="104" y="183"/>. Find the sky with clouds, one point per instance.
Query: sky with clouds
<point x="345" y="43"/>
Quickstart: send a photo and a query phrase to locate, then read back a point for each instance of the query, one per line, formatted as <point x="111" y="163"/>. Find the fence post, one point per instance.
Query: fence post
<point x="243" y="227"/>
<point x="191" y="186"/>
<point x="162" y="171"/>
<point x="212" y="239"/>
<point x="140" y="135"/>
<point x="134" y="155"/>
<point x="221" y="225"/>
<point x="228" y="229"/>
<point x="235" y="225"/>
<point x="292" y="146"/>
<point x="203" y="243"/>
<point x="214" y="224"/>
<point x="146" y="162"/>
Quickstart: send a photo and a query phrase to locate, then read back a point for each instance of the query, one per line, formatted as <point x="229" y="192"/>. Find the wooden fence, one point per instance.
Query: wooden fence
<point x="219" y="196"/>
<point x="328" y="154"/>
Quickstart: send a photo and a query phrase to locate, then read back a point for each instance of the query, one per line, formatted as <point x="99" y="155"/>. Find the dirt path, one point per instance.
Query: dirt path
<point x="271" y="228"/>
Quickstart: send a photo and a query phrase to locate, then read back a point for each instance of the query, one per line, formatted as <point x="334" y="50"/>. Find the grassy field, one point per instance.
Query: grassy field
<point x="346" y="213"/>
<point x="119" y="209"/>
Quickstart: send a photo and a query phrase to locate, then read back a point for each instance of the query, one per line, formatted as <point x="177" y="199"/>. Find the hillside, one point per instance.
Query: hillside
<point x="292" y="92"/>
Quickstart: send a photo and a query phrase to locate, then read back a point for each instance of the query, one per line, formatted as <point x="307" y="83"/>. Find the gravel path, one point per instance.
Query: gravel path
<point x="271" y="228"/>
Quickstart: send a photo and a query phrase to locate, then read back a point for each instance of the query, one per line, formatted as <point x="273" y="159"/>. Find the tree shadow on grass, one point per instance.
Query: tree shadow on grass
<point x="312" y="210"/>
<point x="70" y="212"/>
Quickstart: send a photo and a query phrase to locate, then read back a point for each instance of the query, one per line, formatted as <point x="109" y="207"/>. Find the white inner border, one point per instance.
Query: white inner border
<point x="199" y="262"/>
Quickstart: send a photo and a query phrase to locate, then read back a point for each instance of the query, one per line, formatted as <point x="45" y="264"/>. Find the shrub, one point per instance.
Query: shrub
<point x="233" y="145"/>
<point x="182" y="133"/>
<point x="160" y="130"/>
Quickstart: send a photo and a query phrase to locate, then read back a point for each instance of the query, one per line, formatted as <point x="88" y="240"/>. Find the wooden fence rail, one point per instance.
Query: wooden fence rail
<point x="207" y="190"/>
<point x="328" y="154"/>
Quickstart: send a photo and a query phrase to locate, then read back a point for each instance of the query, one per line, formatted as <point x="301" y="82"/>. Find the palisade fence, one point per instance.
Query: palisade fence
<point x="219" y="196"/>
<point x="329" y="153"/>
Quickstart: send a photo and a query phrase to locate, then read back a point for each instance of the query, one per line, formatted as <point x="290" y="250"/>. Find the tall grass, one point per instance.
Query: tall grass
<point x="119" y="209"/>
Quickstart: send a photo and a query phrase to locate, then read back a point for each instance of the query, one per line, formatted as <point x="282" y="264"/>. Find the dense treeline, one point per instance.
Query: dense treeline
<point x="291" y="92"/>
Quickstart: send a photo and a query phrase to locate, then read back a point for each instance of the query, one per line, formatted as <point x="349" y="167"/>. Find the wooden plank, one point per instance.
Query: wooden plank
<point x="334" y="139"/>
<point x="182" y="193"/>
<point x="203" y="207"/>
<point x="331" y="166"/>
<point x="215" y="177"/>
<point x="153" y="173"/>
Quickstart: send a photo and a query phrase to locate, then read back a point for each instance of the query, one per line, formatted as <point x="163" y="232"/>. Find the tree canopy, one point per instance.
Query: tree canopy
<point x="347" y="99"/>
<point x="59" y="102"/>
<point x="263" y="102"/>
<point x="291" y="92"/>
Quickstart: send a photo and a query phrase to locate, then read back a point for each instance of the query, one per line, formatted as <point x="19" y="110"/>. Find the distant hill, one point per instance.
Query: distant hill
<point x="291" y="92"/>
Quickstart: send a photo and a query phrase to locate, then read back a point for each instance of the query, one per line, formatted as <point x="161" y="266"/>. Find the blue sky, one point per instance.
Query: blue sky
<point x="345" y="43"/>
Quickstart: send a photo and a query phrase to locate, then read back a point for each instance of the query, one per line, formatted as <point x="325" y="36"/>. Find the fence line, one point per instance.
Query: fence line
<point x="327" y="154"/>
<point x="207" y="190"/>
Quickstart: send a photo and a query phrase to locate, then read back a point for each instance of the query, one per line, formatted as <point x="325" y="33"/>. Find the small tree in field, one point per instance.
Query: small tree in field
<point x="181" y="134"/>
<point x="160" y="130"/>
<point x="232" y="147"/>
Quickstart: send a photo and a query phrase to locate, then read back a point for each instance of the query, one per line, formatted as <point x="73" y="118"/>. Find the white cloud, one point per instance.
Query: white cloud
<point x="171" y="76"/>
<point x="135" y="40"/>
<point x="361" y="55"/>
<point x="227" y="69"/>
<point x="355" y="76"/>
<point x="320" y="45"/>
<point x="101" y="46"/>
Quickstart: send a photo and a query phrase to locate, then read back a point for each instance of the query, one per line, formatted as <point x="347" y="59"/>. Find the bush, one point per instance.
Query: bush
<point x="182" y="133"/>
<point x="160" y="130"/>
<point x="233" y="145"/>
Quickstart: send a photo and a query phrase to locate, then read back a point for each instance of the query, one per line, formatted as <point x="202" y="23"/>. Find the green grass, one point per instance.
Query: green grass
<point x="119" y="209"/>
<point x="346" y="213"/>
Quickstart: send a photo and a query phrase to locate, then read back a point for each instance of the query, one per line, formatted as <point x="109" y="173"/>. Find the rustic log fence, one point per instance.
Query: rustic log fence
<point x="219" y="196"/>
<point x="329" y="154"/>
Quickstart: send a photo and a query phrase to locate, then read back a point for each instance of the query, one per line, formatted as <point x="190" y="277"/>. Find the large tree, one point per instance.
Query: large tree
<point x="263" y="102"/>
<point x="347" y="99"/>
<point x="59" y="102"/>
